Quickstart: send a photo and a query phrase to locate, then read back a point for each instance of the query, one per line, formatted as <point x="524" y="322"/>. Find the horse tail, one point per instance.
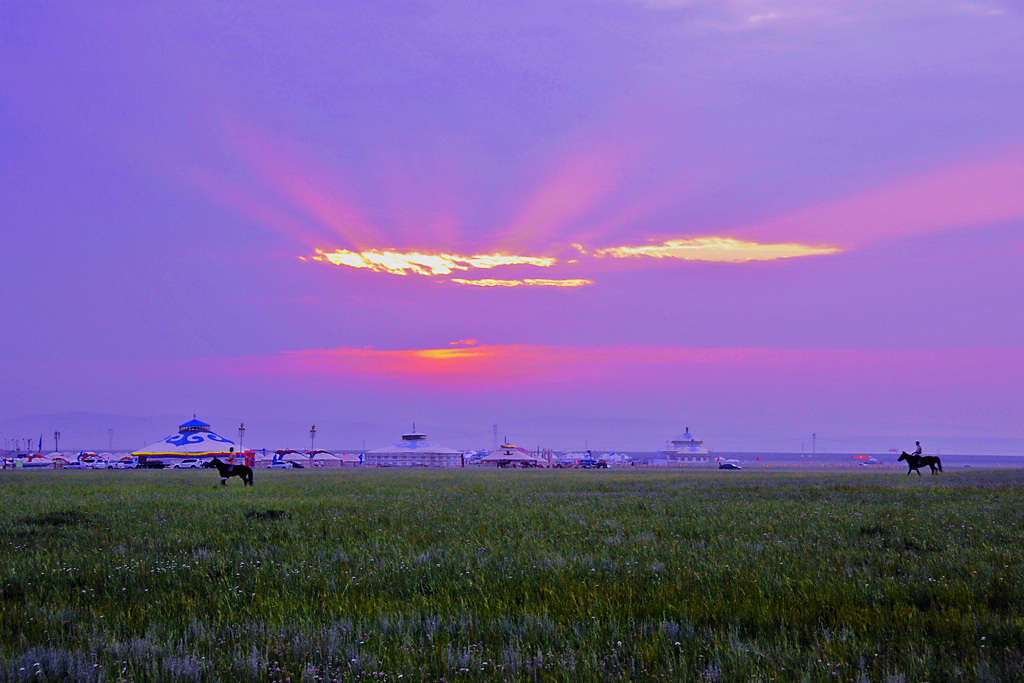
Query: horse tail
<point x="939" y="463"/>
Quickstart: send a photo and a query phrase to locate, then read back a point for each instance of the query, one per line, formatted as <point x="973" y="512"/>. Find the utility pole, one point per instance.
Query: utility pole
<point x="494" y="439"/>
<point x="56" y="441"/>
<point x="110" y="439"/>
<point x="312" y="435"/>
<point x="814" y="443"/>
<point x="241" y="433"/>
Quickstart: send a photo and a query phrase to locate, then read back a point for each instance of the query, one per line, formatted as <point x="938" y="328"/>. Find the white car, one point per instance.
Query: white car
<point x="125" y="465"/>
<point x="188" y="464"/>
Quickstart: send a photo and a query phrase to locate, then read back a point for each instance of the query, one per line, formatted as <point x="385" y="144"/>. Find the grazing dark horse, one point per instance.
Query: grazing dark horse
<point x="226" y="471"/>
<point x="916" y="462"/>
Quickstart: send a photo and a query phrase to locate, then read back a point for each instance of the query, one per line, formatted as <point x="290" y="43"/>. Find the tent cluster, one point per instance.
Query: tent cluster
<point x="513" y="456"/>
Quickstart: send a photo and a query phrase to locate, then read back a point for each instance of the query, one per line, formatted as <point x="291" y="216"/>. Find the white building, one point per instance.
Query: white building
<point x="685" y="450"/>
<point x="413" y="451"/>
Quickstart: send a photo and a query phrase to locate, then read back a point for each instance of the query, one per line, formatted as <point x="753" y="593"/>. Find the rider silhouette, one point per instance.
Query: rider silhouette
<point x="918" y="451"/>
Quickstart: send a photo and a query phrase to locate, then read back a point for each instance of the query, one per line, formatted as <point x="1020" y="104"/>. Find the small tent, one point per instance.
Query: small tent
<point x="513" y="456"/>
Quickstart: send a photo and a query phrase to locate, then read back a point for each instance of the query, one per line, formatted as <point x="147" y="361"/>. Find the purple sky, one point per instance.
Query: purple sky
<point x="175" y="175"/>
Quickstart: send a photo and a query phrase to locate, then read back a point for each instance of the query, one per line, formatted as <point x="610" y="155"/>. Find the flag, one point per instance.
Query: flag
<point x="40" y="443"/>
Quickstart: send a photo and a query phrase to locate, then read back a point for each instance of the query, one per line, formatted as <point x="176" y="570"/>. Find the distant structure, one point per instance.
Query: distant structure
<point x="413" y="451"/>
<point x="686" y="450"/>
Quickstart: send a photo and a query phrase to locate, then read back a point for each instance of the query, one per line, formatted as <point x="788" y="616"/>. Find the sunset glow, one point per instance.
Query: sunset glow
<point x="499" y="366"/>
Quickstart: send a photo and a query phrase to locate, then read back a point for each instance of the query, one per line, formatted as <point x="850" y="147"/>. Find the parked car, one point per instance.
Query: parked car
<point x="125" y="465"/>
<point x="729" y="466"/>
<point x="153" y="465"/>
<point x="285" y="465"/>
<point x="74" y="466"/>
<point x="188" y="464"/>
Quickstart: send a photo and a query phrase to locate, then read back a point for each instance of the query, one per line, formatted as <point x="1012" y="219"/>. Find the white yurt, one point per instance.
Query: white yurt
<point x="193" y="440"/>
<point x="348" y="459"/>
<point x="413" y="451"/>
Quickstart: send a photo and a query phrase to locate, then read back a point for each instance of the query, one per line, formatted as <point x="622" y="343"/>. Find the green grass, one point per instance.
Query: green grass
<point x="512" y="575"/>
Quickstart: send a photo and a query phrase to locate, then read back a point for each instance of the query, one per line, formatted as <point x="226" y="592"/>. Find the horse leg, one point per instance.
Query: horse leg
<point x="223" y="481"/>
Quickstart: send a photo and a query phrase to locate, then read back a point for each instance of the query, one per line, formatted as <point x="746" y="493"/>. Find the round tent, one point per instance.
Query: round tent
<point x="194" y="439"/>
<point x="413" y="451"/>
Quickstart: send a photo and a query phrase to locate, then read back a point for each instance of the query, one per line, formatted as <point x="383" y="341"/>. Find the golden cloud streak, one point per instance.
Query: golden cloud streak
<point x="452" y="354"/>
<point x="529" y="282"/>
<point x="398" y="263"/>
<point x="718" y="249"/>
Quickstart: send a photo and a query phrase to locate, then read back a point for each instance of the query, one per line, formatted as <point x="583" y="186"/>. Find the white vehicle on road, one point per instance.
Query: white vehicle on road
<point x="188" y="464"/>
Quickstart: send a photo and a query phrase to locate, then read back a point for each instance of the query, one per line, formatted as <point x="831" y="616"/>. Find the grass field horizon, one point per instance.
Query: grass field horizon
<point x="512" y="575"/>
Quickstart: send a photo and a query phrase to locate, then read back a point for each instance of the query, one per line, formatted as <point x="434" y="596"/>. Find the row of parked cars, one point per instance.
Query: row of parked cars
<point x="194" y="463"/>
<point x="130" y="464"/>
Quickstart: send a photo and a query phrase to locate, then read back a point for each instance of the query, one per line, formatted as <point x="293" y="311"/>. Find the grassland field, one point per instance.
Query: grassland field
<point x="465" y="575"/>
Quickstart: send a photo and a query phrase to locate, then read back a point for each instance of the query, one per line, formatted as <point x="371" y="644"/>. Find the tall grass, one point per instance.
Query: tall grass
<point x="519" y="575"/>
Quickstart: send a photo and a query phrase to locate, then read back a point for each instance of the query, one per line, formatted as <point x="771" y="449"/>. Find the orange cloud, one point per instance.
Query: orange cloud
<point x="719" y="249"/>
<point x="398" y="263"/>
<point x="528" y="282"/>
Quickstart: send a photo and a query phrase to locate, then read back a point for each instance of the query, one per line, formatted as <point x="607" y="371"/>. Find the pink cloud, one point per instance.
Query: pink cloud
<point x="963" y="195"/>
<point x="577" y="187"/>
<point x="304" y="185"/>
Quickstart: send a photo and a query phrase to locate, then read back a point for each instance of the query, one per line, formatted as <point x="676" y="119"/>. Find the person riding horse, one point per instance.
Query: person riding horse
<point x="915" y="461"/>
<point x="229" y="469"/>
